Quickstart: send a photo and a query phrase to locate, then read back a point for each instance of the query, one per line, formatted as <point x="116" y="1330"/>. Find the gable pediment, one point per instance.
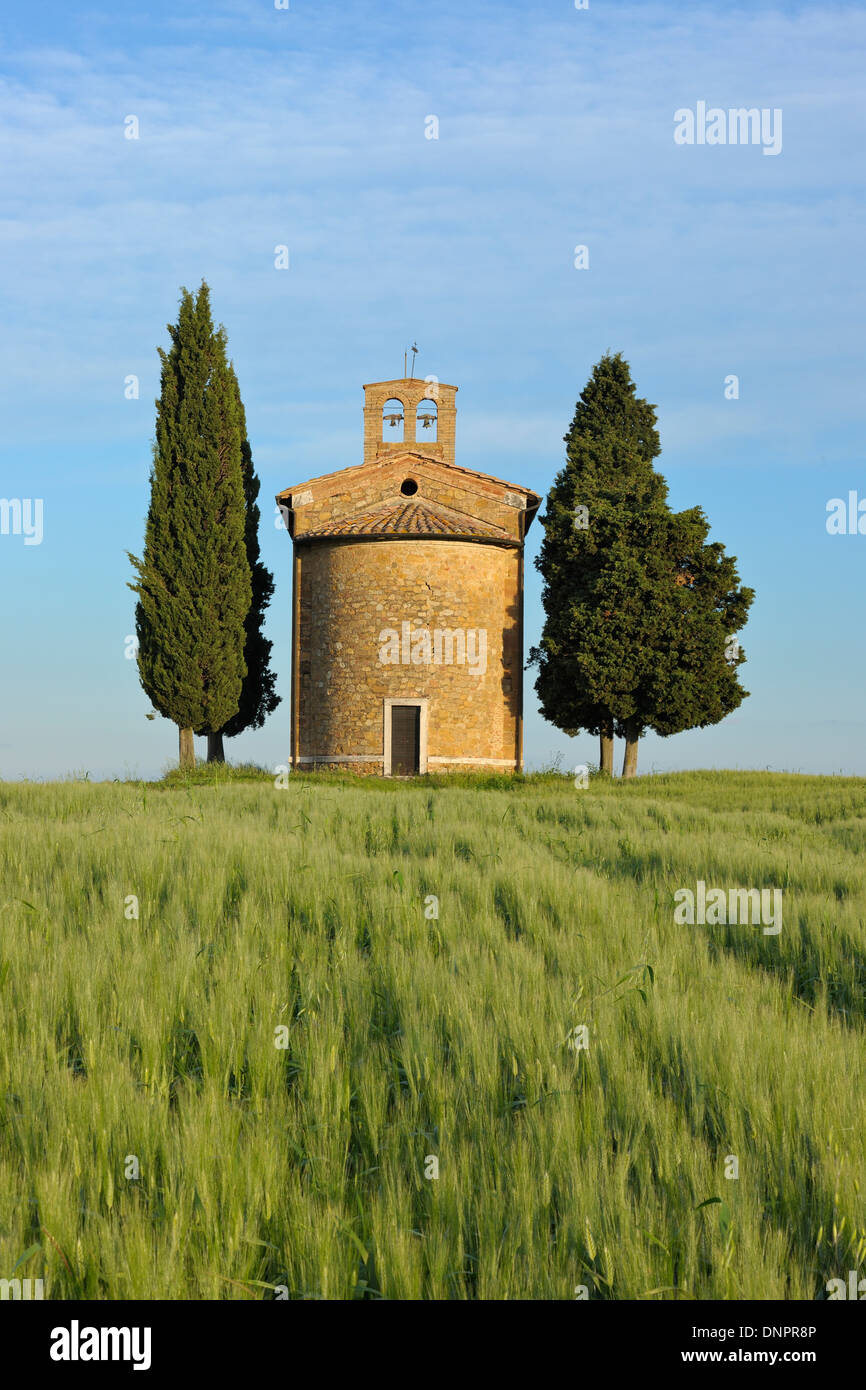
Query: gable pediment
<point x="447" y="500"/>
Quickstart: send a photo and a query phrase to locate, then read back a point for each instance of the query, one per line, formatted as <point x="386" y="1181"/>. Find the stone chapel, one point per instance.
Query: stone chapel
<point x="407" y="600"/>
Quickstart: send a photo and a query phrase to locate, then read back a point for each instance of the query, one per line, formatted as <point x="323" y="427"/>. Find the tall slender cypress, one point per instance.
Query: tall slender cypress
<point x="258" y="698"/>
<point x="193" y="580"/>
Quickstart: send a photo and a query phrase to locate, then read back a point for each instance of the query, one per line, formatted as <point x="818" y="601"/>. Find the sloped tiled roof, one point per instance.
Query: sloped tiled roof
<point x="408" y="519"/>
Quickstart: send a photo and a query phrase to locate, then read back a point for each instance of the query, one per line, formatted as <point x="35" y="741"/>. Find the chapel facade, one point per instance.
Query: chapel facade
<point x="407" y="611"/>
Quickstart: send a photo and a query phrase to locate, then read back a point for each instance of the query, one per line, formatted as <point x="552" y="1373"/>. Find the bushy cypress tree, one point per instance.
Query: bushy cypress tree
<point x="258" y="698"/>
<point x="697" y="684"/>
<point x="608" y="471"/>
<point x="193" y="584"/>
<point x="639" y="609"/>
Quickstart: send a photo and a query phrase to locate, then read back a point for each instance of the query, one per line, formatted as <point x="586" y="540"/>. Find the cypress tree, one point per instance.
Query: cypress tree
<point x="608" y="471"/>
<point x="258" y="698"/>
<point x="193" y="580"/>
<point x="696" y="617"/>
<point x="639" y="608"/>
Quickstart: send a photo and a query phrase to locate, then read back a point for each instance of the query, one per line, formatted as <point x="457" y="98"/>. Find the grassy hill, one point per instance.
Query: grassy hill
<point x="150" y="1044"/>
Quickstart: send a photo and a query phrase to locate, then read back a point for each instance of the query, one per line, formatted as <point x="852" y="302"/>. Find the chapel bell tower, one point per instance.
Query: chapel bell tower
<point x="409" y="415"/>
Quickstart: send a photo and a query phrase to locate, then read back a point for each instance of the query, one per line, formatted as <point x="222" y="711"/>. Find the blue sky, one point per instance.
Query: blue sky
<point x="306" y="127"/>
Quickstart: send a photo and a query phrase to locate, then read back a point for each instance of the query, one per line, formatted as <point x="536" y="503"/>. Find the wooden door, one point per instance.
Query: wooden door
<point x="405" y="740"/>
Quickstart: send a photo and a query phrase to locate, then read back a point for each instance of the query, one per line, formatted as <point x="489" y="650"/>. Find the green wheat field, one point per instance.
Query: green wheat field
<point x="287" y="1040"/>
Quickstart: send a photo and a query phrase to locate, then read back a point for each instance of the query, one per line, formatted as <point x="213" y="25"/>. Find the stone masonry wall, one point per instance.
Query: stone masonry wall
<point x="351" y="591"/>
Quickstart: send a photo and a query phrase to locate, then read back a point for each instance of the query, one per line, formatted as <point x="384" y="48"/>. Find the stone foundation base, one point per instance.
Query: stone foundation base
<point x="369" y="766"/>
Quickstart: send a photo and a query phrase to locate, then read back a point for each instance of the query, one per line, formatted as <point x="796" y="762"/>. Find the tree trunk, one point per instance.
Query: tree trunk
<point x="187" y="750"/>
<point x="632" y="738"/>
<point x="215" y="752"/>
<point x="605" y="741"/>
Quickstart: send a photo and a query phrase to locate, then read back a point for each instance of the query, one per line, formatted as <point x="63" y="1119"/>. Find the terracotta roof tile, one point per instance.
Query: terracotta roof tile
<point x="407" y="519"/>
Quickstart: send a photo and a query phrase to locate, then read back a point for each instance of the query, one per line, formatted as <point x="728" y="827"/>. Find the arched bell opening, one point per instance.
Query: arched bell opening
<point x="393" y="421"/>
<point x="427" y="421"/>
